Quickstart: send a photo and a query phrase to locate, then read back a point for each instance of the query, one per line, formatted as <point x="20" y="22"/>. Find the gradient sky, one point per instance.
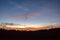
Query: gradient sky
<point x="36" y="12"/>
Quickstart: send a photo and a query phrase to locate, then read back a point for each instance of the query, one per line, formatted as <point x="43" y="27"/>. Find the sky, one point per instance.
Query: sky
<point x="30" y="12"/>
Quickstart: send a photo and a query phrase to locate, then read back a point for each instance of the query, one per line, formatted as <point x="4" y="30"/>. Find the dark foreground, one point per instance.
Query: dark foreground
<point x="52" y="34"/>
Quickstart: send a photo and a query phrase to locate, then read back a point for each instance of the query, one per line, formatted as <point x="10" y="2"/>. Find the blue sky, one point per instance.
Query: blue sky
<point x="39" y="12"/>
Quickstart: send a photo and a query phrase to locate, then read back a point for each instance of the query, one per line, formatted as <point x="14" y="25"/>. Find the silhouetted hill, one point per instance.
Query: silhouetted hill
<point x="24" y="35"/>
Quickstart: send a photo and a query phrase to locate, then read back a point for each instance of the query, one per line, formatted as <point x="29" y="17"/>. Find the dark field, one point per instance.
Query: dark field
<point x="52" y="34"/>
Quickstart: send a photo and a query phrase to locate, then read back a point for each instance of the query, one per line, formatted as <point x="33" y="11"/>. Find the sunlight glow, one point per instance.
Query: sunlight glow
<point x="23" y="26"/>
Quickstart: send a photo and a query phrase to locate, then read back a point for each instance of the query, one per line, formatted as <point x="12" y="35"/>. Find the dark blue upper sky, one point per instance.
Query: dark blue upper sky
<point x="39" y="12"/>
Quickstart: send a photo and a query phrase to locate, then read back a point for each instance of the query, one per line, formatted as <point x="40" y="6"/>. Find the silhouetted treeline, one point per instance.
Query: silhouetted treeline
<point x="41" y="34"/>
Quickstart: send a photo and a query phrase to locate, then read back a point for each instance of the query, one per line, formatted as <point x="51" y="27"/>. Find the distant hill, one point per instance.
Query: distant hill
<point x="30" y="35"/>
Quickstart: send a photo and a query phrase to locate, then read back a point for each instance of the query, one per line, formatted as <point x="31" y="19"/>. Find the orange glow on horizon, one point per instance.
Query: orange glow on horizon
<point x="23" y="26"/>
<point x="26" y="27"/>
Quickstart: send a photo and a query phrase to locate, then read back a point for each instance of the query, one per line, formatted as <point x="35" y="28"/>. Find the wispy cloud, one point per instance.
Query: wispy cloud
<point x="25" y="16"/>
<point x="48" y="20"/>
<point x="19" y="6"/>
<point x="55" y="21"/>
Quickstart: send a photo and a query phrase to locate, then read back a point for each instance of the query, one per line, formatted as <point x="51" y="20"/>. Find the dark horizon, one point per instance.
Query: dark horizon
<point x="52" y="34"/>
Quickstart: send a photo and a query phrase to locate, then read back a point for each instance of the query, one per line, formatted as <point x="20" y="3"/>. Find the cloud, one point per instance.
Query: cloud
<point x="25" y="16"/>
<point x="19" y="6"/>
<point x="57" y="14"/>
<point x="30" y="15"/>
<point x="52" y="21"/>
<point x="55" y="21"/>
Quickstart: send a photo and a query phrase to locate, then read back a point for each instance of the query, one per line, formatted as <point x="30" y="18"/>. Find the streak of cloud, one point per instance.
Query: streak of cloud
<point x="52" y="21"/>
<point x="25" y="16"/>
<point x="19" y="6"/>
<point x="55" y="21"/>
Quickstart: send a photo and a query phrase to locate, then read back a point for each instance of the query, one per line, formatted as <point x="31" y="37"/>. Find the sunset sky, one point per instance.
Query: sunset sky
<point x="30" y="12"/>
